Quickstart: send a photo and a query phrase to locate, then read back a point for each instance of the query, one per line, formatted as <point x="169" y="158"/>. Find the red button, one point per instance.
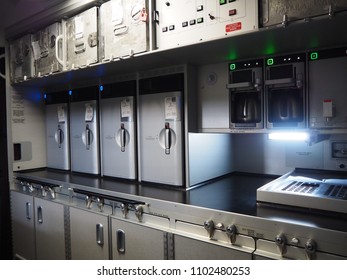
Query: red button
<point x="232" y="12"/>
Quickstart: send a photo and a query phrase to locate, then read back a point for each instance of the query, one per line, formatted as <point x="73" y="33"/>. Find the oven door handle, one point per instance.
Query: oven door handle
<point x="244" y="85"/>
<point x="280" y="81"/>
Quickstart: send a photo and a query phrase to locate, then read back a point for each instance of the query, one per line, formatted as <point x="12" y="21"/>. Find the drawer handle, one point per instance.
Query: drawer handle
<point x="39" y="215"/>
<point x="100" y="234"/>
<point x="28" y="210"/>
<point x="120" y="235"/>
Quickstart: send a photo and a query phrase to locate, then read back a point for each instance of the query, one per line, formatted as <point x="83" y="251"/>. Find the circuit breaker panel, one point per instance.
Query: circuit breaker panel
<point x="202" y="20"/>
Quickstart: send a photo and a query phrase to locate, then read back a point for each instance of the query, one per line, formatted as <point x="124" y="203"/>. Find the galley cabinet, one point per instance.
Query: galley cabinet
<point x="38" y="228"/>
<point x="131" y="241"/>
<point x="89" y="235"/>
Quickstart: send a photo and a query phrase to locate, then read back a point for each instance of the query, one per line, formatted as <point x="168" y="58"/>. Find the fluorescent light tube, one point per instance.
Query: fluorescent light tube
<point x="289" y="136"/>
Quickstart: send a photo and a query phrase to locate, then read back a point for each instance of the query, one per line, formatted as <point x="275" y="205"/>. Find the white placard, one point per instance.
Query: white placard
<point x="61" y="114"/>
<point x="36" y="49"/>
<point x="117" y="12"/>
<point x="125" y="108"/>
<point x="89" y="112"/>
<point x="171" y="108"/>
<point x="79" y="27"/>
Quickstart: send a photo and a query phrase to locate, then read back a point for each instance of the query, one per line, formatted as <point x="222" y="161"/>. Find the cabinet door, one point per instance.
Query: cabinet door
<point x="136" y="242"/>
<point x="23" y="231"/>
<point x="50" y="234"/>
<point x="89" y="235"/>
<point x="192" y="249"/>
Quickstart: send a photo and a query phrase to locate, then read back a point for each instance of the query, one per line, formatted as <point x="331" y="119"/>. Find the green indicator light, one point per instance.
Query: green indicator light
<point x="222" y="2"/>
<point x="232" y="66"/>
<point x="270" y="61"/>
<point x="314" y="56"/>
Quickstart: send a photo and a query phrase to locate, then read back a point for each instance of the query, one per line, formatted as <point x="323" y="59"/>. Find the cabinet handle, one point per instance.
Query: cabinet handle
<point x="120" y="235"/>
<point x="100" y="234"/>
<point x="167" y="138"/>
<point x="39" y="215"/>
<point x="28" y="210"/>
<point x="122" y="138"/>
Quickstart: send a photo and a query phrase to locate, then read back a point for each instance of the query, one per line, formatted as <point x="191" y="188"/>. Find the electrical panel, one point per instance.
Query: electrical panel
<point x="202" y="20"/>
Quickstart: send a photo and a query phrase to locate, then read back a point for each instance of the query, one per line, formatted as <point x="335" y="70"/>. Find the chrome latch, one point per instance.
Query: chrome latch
<point x="310" y="249"/>
<point x="209" y="226"/>
<point x="231" y="232"/>
<point x="280" y="241"/>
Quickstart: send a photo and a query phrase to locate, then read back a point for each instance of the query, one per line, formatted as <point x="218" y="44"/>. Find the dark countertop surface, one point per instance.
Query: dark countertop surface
<point x="235" y="193"/>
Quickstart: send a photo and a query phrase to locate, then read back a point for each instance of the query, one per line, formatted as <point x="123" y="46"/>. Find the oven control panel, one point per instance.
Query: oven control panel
<point x="202" y="20"/>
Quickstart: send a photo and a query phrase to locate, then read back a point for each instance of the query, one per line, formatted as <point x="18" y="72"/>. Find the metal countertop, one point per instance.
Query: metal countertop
<point x="235" y="193"/>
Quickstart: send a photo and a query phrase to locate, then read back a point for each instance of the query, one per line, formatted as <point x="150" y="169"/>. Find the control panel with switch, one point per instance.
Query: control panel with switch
<point x="202" y="20"/>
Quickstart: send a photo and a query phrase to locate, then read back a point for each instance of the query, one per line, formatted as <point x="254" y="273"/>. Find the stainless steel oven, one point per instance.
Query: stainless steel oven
<point x="285" y="91"/>
<point x="246" y="94"/>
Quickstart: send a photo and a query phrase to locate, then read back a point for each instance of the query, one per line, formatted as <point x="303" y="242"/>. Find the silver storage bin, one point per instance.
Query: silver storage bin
<point x="118" y="130"/>
<point x="57" y="130"/>
<point x="45" y="48"/>
<point x="123" y="28"/>
<point x="81" y="39"/>
<point x="21" y="59"/>
<point x="84" y="130"/>
<point x="276" y="12"/>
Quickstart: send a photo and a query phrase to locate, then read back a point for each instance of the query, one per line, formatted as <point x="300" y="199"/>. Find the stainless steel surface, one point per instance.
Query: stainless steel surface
<point x="45" y="47"/>
<point x="246" y="94"/>
<point x="159" y="161"/>
<point x="84" y="133"/>
<point x="21" y="59"/>
<point x="186" y="215"/>
<point x="282" y="12"/>
<point x="82" y="39"/>
<point x="58" y="136"/>
<point x="124" y="29"/>
<point x="118" y="133"/>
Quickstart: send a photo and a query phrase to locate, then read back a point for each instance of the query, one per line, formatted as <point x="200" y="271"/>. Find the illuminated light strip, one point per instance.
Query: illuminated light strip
<point x="289" y="136"/>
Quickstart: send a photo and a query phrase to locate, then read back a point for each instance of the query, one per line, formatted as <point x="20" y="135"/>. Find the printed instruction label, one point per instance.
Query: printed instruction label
<point x="125" y="108"/>
<point x="171" y="108"/>
<point x="61" y="114"/>
<point x="89" y="112"/>
<point x="79" y="27"/>
<point x="117" y="12"/>
<point x="18" y="114"/>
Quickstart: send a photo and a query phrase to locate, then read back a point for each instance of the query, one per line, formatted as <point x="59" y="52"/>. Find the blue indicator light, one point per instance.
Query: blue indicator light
<point x="45" y="96"/>
<point x="101" y="88"/>
<point x="70" y="92"/>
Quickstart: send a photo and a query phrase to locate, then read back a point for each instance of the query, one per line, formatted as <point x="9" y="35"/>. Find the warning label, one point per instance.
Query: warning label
<point x="233" y="27"/>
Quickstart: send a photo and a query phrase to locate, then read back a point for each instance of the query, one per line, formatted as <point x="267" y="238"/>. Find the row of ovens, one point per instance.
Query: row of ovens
<point x="94" y="129"/>
<point x="180" y="228"/>
<point x="298" y="90"/>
